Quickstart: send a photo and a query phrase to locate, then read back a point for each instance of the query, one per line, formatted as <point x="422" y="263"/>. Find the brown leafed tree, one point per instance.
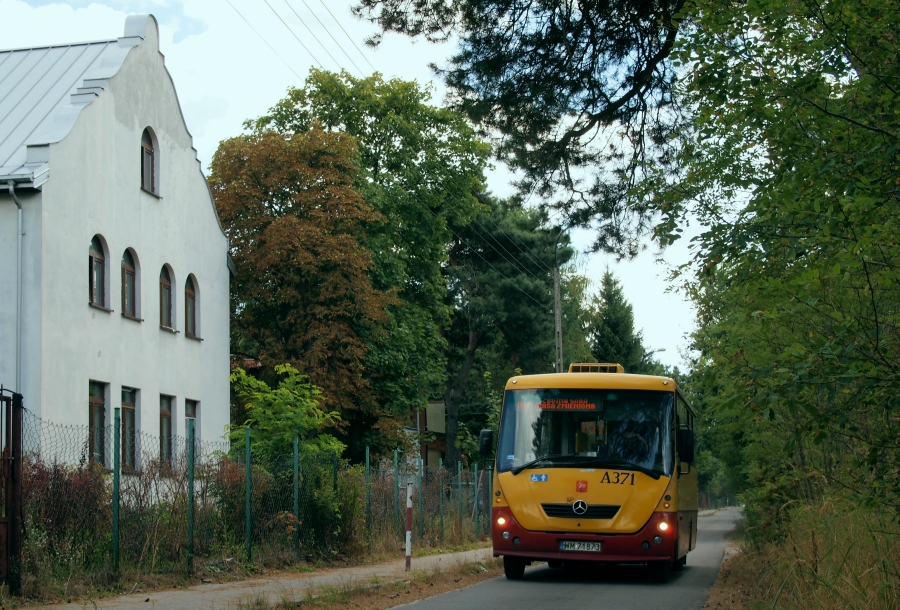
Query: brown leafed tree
<point x="302" y="293"/>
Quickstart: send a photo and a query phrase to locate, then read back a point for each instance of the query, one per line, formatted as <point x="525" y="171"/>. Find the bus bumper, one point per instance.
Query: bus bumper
<point x="639" y="547"/>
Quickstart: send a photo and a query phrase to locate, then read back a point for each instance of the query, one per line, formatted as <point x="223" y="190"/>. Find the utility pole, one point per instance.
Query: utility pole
<point x="557" y="303"/>
<point x="557" y="311"/>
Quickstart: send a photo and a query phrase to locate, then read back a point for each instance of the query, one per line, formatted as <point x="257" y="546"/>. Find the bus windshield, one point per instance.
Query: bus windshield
<point x="625" y="429"/>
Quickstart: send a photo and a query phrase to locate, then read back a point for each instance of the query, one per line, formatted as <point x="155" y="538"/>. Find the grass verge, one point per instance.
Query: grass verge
<point x="377" y="595"/>
<point x="833" y="555"/>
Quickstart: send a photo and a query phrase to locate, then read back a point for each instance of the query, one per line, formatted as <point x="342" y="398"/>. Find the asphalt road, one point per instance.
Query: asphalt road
<point x="615" y="588"/>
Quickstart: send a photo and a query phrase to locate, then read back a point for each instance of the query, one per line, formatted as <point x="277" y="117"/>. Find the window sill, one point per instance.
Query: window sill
<point x="169" y="329"/>
<point x="132" y="318"/>
<point x="194" y="337"/>
<point x="100" y="307"/>
<point x="152" y="193"/>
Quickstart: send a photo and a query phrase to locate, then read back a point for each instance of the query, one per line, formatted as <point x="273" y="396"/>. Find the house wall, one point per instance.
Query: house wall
<point x="31" y="293"/>
<point x="94" y="188"/>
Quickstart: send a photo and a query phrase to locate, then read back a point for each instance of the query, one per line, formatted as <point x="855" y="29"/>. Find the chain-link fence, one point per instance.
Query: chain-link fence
<point x="95" y="501"/>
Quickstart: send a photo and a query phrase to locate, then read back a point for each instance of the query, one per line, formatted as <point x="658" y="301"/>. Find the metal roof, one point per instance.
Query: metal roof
<point x="42" y="92"/>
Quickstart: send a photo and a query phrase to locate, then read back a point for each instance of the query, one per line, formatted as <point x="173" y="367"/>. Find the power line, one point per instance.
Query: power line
<point x="264" y="40"/>
<point x="486" y="262"/>
<point x="332" y="37"/>
<point x="420" y="201"/>
<point x="313" y="34"/>
<point x="295" y="35"/>
<point x="487" y="233"/>
<point x="348" y="35"/>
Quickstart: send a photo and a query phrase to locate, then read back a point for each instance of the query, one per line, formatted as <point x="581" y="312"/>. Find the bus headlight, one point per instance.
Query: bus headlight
<point x="663" y="526"/>
<point x="501" y="520"/>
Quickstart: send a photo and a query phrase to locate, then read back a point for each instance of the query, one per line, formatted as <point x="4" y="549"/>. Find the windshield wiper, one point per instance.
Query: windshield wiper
<point x="531" y="464"/>
<point x="550" y="460"/>
<point x="575" y="460"/>
<point x="624" y="465"/>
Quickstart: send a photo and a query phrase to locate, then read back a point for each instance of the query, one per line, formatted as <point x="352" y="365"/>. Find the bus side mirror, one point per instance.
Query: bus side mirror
<point x="486" y="443"/>
<point x="686" y="445"/>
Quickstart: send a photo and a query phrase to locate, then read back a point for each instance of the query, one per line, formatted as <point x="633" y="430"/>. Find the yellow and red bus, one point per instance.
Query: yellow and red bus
<point x="594" y="465"/>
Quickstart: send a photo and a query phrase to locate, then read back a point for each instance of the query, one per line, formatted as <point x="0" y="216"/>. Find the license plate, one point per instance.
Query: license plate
<point x="577" y="545"/>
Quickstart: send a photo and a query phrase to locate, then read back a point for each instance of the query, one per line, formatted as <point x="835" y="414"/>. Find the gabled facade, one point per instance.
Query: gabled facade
<point x="124" y="264"/>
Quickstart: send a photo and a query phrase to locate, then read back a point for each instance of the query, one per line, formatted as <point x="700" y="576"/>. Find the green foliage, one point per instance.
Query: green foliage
<point x="577" y="93"/>
<point x="502" y="303"/>
<point x="296" y="226"/>
<point x="418" y="166"/>
<point x="612" y="334"/>
<point x="792" y="163"/>
<point x="276" y="416"/>
<point x="488" y="419"/>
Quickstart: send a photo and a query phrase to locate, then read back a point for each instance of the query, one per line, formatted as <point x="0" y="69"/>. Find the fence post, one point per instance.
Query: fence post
<point x="396" y="491"/>
<point x="441" y="495"/>
<point x="475" y="489"/>
<point x="408" y="524"/>
<point x="191" y="457"/>
<point x="247" y="490"/>
<point x="334" y="469"/>
<point x="297" y="494"/>
<point x="117" y="435"/>
<point x="368" y="497"/>
<point x="421" y="517"/>
<point x="459" y="511"/>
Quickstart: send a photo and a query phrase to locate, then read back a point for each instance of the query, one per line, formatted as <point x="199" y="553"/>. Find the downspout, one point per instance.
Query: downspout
<point x="19" y="233"/>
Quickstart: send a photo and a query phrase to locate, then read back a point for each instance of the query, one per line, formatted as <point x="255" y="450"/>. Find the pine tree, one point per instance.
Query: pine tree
<point x="611" y="330"/>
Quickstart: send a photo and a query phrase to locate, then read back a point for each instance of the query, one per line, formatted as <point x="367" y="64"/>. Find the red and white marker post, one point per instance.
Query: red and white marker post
<point x="408" y="524"/>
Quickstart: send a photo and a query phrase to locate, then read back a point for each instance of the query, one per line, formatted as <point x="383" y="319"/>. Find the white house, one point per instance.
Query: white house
<point x="124" y="264"/>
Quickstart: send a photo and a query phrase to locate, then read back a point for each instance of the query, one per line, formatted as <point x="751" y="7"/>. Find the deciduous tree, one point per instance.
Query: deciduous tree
<point x="420" y="167"/>
<point x="303" y="292"/>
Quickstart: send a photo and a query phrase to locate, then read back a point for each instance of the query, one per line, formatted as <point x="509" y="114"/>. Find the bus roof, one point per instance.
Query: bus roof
<point x="624" y="381"/>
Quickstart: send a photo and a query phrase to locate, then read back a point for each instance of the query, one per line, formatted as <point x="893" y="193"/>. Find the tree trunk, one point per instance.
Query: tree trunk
<point x="452" y="397"/>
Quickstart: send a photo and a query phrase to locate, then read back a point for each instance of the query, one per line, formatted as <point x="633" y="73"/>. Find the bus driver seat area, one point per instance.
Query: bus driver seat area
<point x="634" y="442"/>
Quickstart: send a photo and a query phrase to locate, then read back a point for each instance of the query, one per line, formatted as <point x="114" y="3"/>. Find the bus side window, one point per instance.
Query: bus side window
<point x="682" y="415"/>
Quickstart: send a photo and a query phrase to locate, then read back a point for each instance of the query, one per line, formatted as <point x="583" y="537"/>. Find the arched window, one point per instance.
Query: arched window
<point x="129" y="286"/>
<point x="97" y="275"/>
<point x="165" y="298"/>
<point x="149" y="178"/>
<point x="190" y="308"/>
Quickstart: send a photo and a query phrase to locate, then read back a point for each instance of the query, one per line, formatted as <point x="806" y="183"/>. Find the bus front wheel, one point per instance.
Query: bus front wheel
<point x="513" y="567"/>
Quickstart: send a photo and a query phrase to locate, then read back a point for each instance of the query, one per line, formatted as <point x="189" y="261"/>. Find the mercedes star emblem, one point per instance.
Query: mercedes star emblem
<point x="580" y="507"/>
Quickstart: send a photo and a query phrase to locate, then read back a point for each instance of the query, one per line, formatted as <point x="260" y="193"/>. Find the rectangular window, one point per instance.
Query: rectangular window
<point x="97" y="422"/>
<point x="128" y="290"/>
<point x="190" y="315"/>
<point x="97" y="280"/>
<point x="165" y="305"/>
<point x="129" y="429"/>
<point x="165" y="428"/>
<point x="147" y="168"/>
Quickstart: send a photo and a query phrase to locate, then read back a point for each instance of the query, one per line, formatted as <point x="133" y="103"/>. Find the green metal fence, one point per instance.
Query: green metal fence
<point x="102" y="503"/>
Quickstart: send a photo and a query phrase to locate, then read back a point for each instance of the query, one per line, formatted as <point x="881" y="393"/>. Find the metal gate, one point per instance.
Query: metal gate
<point x="11" y="488"/>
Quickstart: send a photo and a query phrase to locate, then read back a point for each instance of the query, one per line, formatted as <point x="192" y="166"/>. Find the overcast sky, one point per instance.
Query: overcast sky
<point x="231" y="60"/>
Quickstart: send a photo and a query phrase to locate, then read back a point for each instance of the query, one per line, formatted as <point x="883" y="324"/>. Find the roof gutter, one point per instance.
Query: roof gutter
<point x="12" y="193"/>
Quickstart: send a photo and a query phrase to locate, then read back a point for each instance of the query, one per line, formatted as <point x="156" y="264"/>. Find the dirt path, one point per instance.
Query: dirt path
<point x="277" y="589"/>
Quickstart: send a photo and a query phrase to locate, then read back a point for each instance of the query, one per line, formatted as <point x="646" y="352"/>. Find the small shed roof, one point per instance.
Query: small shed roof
<point x="42" y="92"/>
